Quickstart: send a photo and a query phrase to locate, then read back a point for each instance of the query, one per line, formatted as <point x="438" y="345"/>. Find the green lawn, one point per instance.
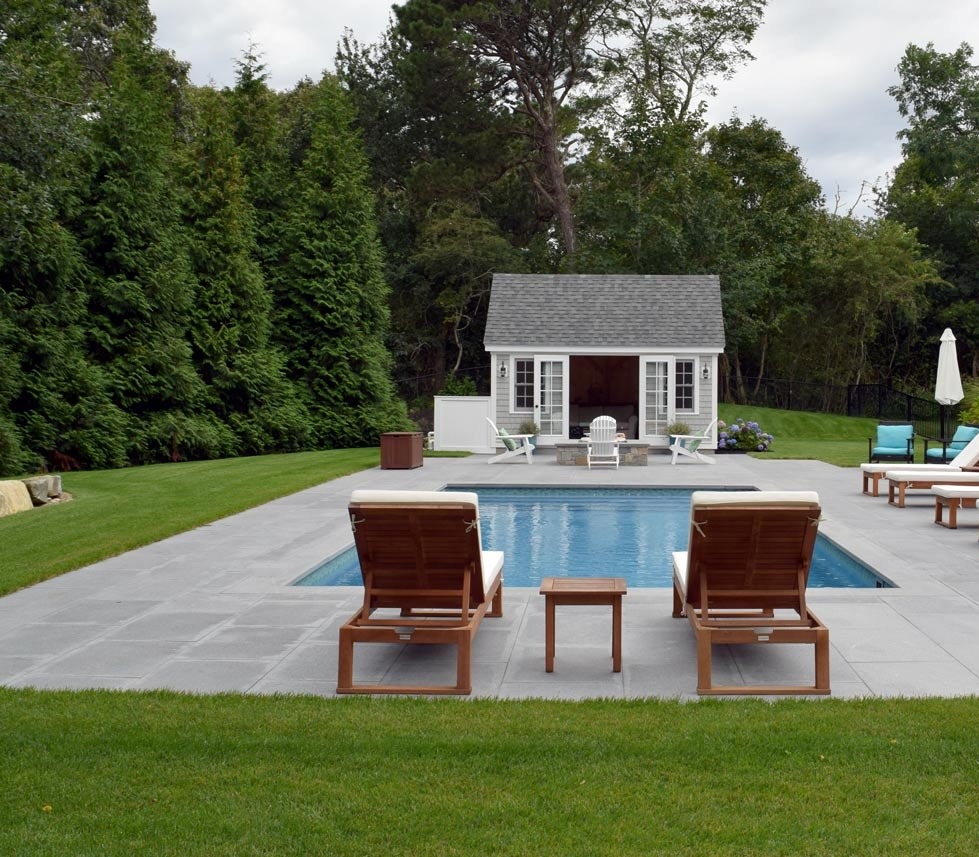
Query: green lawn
<point x="801" y="435"/>
<point x="114" y="511"/>
<point x="110" y="773"/>
<point x="100" y="773"/>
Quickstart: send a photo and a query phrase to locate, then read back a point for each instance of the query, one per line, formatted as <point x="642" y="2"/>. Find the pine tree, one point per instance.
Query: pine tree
<point x="245" y="376"/>
<point x="330" y="295"/>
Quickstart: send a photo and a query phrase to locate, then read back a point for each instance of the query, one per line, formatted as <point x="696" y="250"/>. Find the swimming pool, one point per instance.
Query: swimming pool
<point x="593" y="532"/>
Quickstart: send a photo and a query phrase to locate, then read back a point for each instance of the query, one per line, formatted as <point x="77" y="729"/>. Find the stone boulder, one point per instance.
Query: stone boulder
<point x="14" y="497"/>
<point x="40" y="490"/>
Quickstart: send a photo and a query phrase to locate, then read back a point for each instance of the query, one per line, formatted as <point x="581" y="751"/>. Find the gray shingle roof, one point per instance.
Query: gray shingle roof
<point x="646" y="312"/>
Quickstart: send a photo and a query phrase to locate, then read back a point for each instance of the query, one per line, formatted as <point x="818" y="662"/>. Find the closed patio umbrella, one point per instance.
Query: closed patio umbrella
<point x="948" y="381"/>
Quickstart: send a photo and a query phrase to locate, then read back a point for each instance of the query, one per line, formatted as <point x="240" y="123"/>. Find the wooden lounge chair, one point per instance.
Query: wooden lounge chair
<point x="743" y="579"/>
<point x="688" y="446"/>
<point x="900" y="481"/>
<point x="426" y="577"/>
<point x="872" y="473"/>
<point x="953" y="498"/>
<point x="603" y="444"/>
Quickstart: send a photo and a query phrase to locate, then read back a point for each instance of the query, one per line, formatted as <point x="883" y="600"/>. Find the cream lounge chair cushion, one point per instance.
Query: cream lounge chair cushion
<point x="966" y="477"/>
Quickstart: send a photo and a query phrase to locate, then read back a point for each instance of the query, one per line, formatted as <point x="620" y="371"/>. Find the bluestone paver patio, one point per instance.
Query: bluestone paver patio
<point x="214" y="610"/>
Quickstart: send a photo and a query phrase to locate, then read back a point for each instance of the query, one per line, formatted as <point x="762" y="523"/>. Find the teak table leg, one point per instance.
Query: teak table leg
<point x="548" y="634"/>
<point x="617" y="633"/>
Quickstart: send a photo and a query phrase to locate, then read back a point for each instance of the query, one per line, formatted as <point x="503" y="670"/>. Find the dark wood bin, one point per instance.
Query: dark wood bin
<point x="401" y="450"/>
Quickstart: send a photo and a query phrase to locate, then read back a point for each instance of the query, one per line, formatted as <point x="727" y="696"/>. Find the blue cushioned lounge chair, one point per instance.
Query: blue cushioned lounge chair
<point x="894" y="442"/>
<point x="948" y="449"/>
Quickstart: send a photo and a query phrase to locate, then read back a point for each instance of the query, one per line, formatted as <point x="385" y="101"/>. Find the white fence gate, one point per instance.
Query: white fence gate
<point x="460" y="424"/>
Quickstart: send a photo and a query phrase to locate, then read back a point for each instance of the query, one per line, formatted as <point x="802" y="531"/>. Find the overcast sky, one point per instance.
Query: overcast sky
<point x="820" y="76"/>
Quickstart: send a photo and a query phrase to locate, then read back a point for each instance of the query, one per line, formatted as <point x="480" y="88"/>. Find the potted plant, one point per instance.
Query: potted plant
<point x="531" y="428"/>
<point x="675" y="428"/>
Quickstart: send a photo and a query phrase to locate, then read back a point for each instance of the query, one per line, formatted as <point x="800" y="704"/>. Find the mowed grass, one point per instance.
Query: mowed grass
<point x="803" y="435"/>
<point x="103" y="773"/>
<point x="113" y="511"/>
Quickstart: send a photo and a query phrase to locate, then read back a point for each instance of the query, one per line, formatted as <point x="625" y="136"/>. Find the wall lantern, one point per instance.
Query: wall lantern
<point x="705" y="371"/>
<point x="503" y="370"/>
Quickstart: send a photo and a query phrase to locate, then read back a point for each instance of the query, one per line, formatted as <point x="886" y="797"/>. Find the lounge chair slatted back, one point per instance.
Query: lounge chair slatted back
<point x="411" y="554"/>
<point x="744" y="576"/>
<point x="426" y="580"/>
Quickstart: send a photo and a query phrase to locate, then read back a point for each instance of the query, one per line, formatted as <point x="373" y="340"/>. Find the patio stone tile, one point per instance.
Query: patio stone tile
<point x="47" y="639"/>
<point x="561" y="691"/>
<point x="11" y="666"/>
<point x="100" y="611"/>
<point x="108" y="658"/>
<point x="171" y="626"/>
<point x="246" y="642"/>
<point x="310" y="662"/>
<point x="920" y="679"/>
<point x="205" y="676"/>
<point x="287" y="613"/>
<point x="858" y="645"/>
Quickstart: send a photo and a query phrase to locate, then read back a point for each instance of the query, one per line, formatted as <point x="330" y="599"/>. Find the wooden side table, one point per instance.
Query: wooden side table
<point x="583" y="590"/>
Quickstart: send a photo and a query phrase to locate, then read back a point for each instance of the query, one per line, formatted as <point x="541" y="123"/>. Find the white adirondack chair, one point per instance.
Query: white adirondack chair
<point x="687" y="446"/>
<point x="603" y="447"/>
<point x="514" y="445"/>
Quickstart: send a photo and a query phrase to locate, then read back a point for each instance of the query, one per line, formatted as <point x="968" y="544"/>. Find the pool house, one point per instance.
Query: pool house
<point x="567" y="348"/>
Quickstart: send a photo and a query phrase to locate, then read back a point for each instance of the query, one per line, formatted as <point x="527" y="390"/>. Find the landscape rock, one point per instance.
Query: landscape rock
<point x="54" y="485"/>
<point x="14" y="497"/>
<point x="39" y="488"/>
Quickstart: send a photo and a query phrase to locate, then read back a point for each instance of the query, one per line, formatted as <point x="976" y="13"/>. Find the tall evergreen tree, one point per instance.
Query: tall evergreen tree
<point x="327" y="275"/>
<point x="142" y="290"/>
<point x="54" y="403"/>
<point x="230" y="329"/>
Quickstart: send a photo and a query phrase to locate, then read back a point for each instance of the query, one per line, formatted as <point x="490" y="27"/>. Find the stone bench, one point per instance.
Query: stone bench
<point x="631" y="452"/>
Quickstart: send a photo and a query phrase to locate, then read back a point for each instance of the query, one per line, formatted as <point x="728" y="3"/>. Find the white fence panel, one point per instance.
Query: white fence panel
<point x="460" y="424"/>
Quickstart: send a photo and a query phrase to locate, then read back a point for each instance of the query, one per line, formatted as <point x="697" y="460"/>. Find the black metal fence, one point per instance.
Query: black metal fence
<point x="877" y="401"/>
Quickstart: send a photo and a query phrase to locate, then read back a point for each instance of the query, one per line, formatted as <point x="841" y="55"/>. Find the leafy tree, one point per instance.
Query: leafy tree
<point x="769" y="204"/>
<point x="533" y="54"/>
<point x="444" y="163"/>
<point x="857" y="314"/>
<point x="660" y="54"/>
<point x="457" y="253"/>
<point x="650" y="202"/>
<point x="935" y="190"/>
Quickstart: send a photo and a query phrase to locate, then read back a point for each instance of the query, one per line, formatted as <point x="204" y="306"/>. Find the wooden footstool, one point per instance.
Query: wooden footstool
<point x="953" y="497"/>
<point x="583" y="590"/>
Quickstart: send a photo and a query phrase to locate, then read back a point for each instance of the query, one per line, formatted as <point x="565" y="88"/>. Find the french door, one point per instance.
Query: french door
<point x="551" y="395"/>
<point x="656" y="399"/>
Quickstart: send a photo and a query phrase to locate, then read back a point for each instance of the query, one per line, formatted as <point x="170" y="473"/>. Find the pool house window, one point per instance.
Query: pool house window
<point x="684" y="386"/>
<point x="523" y="384"/>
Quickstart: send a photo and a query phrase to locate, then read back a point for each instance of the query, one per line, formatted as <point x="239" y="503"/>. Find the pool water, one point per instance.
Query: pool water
<point x="596" y="532"/>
